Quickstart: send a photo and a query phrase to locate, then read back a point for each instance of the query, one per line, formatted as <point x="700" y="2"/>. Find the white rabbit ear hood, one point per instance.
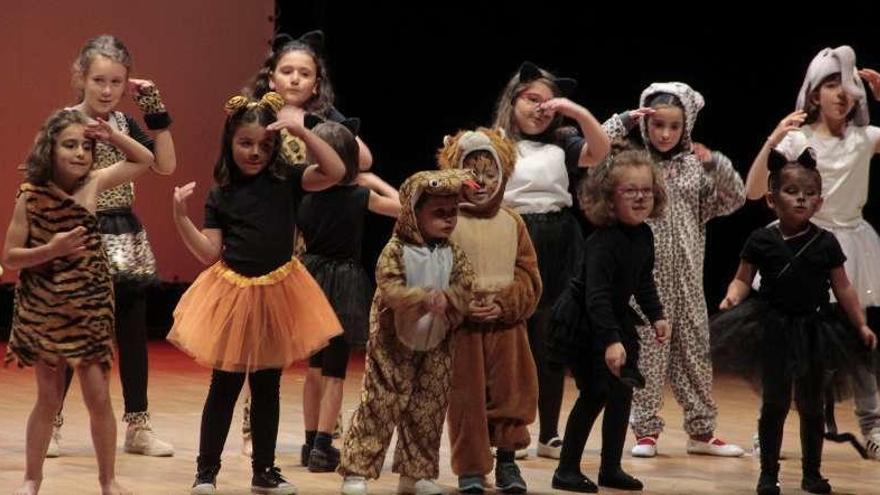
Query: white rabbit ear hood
<point x="831" y="61"/>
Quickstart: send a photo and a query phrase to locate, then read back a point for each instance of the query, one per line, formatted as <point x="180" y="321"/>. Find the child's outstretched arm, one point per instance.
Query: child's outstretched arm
<point x="597" y="142"/>
<point x="17" y="256"/>
<point x="148" y="99"/>
<point x="740" y="286"/>
<point x="849" y="301"/>
<point x="204" y="244"/>
<point x="384" y="199"/>
<point x="756" y="180"/>
<point x="138" y="157"/>
<point x="328" y="169"/>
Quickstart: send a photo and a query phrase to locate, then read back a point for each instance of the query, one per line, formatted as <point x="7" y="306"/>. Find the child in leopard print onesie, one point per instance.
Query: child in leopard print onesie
<point x="702" y="185"/>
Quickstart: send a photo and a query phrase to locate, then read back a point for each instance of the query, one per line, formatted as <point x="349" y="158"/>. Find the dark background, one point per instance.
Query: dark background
<point x="414" y="73"/>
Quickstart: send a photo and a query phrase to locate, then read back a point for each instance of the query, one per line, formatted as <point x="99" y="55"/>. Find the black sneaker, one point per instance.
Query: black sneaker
<point x="508" y="478"/>
<point x="206" y="481"/>
<point x="620" y="480"/>
<point x="270" y="482"/>
<point x="573" y="481"/>
<point x="768" y="483"/>
<point x="471" y="483"/>
<point x="815" y="483"/>
<point x="323" y="461"/>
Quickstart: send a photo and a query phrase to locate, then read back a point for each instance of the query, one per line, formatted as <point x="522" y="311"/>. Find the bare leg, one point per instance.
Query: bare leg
<point x="50" y="393"/>
<point x="312" y="399"/>
<point x="96" y="394"/>
<point x="331" y="403"/>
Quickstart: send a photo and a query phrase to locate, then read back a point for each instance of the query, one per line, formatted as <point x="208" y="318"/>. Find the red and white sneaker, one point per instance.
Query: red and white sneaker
<point x="715" y="447"/>
<point x="645" y="447"/>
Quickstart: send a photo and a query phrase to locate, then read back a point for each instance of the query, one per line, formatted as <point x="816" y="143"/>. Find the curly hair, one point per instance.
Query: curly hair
<point x="596" y="190"/>
<point x="319" y="104"/>
<point x="41" y="159"/>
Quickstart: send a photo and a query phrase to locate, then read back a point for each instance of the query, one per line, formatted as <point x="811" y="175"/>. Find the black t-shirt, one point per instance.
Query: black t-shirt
<point x="619" y="264"/>
<point x="803" y="286"/>
<point x="257" y="216"/>
<point x="332" y="221"/>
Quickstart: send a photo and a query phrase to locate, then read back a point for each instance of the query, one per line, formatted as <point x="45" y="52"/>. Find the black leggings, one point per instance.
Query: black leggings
<point x="333" y="359"/>
<point x="777" y="383"/>
<point x="217" y="416"/>
<point x="598" y="389"/>
<point x="131" y="341"/>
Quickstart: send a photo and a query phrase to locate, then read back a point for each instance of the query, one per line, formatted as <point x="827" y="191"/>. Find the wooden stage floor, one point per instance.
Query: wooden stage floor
<point x="177" y="391"/>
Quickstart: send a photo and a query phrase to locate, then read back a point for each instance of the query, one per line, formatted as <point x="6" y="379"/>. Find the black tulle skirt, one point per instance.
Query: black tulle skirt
<point x="349" y="290"/>
<point x="744" y="337"/>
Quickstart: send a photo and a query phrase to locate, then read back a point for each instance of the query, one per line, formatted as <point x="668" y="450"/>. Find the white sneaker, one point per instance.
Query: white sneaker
<point x="872" y="444"/>
<point x="756" y="445"/>
<point x="54" y="449"/>
<point x="645" y="447"/>
<point x="140" y="439"/>
<point x="551" y="449"/>
<point x="354" y="485"/>
<point x="411" y="486"/>
<point x="714" y="447"/>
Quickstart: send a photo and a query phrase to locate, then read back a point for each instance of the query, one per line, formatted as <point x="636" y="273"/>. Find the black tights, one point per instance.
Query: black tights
<point x="217" y="416"/>
<point x="598" y="389"/>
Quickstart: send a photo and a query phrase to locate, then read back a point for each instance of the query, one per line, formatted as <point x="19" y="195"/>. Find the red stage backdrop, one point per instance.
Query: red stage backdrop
<point x="199" y="52"/>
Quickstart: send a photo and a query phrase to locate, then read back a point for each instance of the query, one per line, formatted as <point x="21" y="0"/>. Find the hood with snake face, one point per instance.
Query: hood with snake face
<point x="432" y="182"/>
<point x="490" y="173"/>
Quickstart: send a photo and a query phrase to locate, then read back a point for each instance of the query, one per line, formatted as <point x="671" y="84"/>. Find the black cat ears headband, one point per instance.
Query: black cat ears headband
<point x="529" y="72"/>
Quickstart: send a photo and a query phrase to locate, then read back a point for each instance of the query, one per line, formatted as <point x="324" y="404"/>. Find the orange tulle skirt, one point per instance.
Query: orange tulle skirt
<point x="235" y="323"/>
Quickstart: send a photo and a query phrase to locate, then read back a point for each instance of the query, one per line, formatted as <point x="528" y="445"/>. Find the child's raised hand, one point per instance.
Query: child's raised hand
<point x="791" y="121"/>
<point x="563" y="106"/>
<point x="181" y="194"/>
<point x="702" y="152"/>
<point x="139" y="86"/>
<point x="615" y="358"/>
<point x="99" y="129"/>
<point x="639" y="113"/>
<point x="290" y="121"/>
<point x="868" y="336"/>
<point x="662" y="331"/>
<point x="873" y="79"/>
<point x="64" y="243"/>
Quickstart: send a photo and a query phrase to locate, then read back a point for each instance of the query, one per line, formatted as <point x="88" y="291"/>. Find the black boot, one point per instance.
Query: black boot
<point x="768" y="482"/>
<point x="812" y="437"/>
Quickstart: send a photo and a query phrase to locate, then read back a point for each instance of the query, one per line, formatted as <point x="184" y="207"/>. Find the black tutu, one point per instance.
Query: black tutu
<point x="558" y="243"/>
<point x="128" y="250"/>
<point x="744" y="336"/>
<point x="347" y="287"/>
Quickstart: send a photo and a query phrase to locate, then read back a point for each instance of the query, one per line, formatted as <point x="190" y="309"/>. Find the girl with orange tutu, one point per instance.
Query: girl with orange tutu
<point x="256" y="310"/>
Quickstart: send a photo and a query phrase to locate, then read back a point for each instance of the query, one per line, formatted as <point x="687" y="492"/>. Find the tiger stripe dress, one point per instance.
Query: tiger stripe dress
<point x="64" y="307"/>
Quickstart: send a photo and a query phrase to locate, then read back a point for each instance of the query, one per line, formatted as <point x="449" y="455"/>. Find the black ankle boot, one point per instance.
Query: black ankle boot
<point x="768" y="483"/>
<point x="573" y="481"/>
<point x="815" y="483"/>
<point x="617" y="478"/>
